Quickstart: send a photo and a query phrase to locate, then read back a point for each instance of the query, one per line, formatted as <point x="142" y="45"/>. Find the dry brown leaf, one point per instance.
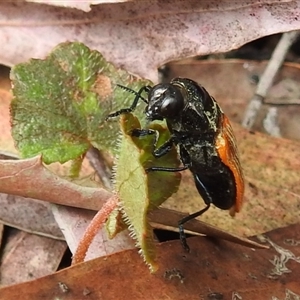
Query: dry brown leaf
<point x="170" y="218"/>
<point x="30" y="178"/>
<point x="142" y="35"/>
<point x="82" y="5"/>
<point x="1" y="233"/>
<point x="73" y="223"/>
<point x="4" y="79"/>
<point x="6" y="140"/>
<point x="28" y="256"/>
<point x="29" y="215"/>
<point x="213" y="268"/>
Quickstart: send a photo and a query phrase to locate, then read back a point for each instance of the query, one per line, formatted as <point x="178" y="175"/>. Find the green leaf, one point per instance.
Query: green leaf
<point x="138" y="190"/>
<point x="59" y="110"/>
<point x="161" y="185"/>
<point x="60" y="103"/>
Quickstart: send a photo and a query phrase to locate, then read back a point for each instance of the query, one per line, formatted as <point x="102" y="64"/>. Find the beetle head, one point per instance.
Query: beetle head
<point x="165" y="101"/>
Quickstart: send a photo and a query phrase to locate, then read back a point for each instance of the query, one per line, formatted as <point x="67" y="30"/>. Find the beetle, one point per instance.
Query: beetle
<point x="204" y="138"/>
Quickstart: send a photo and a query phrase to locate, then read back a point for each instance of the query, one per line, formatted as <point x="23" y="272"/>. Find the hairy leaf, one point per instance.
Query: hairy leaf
<point x="60" y="103"/>
<point x="138" y="190"/>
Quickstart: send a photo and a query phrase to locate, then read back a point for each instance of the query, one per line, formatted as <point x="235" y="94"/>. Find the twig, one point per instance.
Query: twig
<point x="268" y="76"/>
<point x="97" y="162"/>
<point x="284" y="102"/>
<point x="270" y="122"/>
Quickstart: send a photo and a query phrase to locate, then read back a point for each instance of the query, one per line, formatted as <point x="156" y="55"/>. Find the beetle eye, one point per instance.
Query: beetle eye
<point x="172" y="103"/>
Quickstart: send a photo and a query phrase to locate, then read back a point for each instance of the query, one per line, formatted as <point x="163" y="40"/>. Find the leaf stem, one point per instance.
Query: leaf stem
<point x="93" y="229"/>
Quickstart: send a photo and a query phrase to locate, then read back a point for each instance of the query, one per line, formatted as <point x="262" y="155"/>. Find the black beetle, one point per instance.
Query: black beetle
<point x="204" y="138"/>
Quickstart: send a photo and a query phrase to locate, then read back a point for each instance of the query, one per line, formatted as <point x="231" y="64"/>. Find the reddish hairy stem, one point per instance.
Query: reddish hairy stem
<point x="93" y="229"/>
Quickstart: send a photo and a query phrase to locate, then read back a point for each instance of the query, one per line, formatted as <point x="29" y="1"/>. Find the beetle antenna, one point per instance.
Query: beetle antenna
<point x="137" y="94"/>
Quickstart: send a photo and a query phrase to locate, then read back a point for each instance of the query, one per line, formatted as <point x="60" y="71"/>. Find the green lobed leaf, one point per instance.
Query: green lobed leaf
<point x="60" y="103"/>
<point x="59" y="109"/>
<point x="138" y="190"/>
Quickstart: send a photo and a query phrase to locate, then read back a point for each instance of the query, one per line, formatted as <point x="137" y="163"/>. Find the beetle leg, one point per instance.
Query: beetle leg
<point x="186" y="219"/>
<point x="138" y="96"/>
<point x="143" y="132"/>
<point x="208" y="201"/>
<point x="156" y="152"/>
<point x="166" y="169"/>
<point x="163" y="149"/>
<point x="160" y="151"/>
